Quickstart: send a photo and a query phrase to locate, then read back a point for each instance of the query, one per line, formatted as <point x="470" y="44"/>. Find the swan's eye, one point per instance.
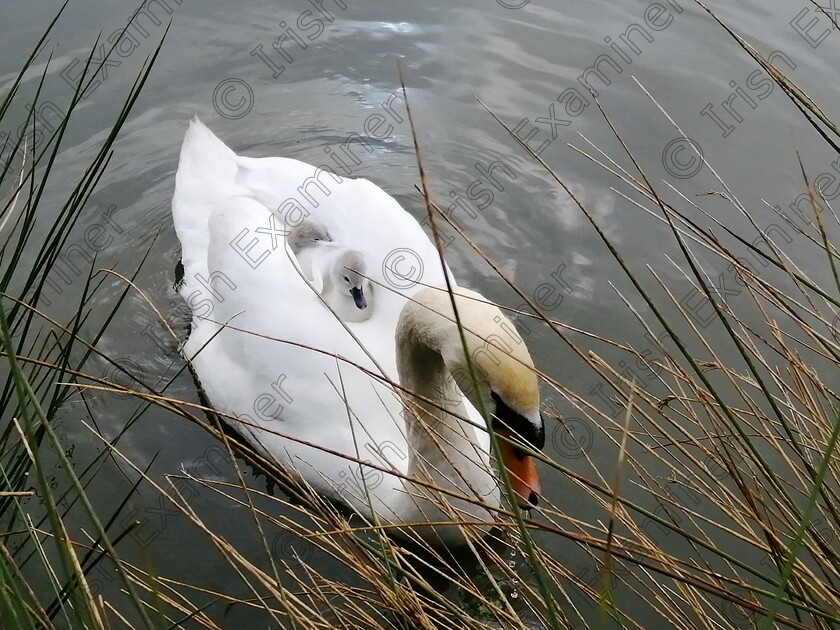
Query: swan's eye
<point x="346" y="279"/>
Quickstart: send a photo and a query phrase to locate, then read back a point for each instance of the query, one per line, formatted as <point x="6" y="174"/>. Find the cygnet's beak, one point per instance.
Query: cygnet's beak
<point x="522" y="472"/>
<point x="358" y="298"/>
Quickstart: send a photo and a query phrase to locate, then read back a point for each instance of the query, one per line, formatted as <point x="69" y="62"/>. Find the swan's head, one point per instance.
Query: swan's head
<point x="350" y="270"/>
<point x="308" y="233"/>
<point x="505" y="384"/>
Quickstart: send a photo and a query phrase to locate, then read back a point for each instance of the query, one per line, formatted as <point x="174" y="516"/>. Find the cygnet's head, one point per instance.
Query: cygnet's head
<point x="349" y="272"/>
<point x="308" y="234"/>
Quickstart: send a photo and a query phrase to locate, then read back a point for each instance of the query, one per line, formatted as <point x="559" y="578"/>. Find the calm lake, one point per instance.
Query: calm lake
<point x="319" y="82"/>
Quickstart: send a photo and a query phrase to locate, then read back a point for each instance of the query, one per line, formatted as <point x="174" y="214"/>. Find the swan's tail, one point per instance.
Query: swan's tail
<point x="204" y="158"/>
<point x="206" y="172"/>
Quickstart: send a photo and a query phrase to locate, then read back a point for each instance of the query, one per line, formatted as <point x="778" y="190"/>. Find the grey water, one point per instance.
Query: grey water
<point x="319" y="82"/>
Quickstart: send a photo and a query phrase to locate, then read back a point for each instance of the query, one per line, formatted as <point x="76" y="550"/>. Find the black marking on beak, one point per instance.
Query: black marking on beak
<point x="359" y="298"/>
<point x="519" y="425"/>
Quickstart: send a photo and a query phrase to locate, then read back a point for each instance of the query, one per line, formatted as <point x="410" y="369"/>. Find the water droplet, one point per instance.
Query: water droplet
<point x="514" y="595"/>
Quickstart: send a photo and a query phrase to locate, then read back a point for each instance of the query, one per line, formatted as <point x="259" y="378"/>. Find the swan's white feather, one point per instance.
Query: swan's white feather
<point x="220" y="196"/>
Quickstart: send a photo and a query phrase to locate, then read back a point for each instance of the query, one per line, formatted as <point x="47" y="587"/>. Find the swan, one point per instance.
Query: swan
<point x="305" y="240"/>
<point x="382" y="414"/>
<point x="337" y="274"/>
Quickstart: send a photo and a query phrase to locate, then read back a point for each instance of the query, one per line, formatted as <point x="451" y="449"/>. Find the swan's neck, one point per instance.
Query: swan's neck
<point x="443" y="449"/>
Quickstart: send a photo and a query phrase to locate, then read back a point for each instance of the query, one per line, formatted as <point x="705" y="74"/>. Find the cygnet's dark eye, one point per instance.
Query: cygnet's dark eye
<point x="346" y="279"/>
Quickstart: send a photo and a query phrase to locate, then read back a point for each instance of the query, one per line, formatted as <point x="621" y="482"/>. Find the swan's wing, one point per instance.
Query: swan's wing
<point x="253" y="302"/>
<point x="318" y="278"/>
<point x="357" y="213"/>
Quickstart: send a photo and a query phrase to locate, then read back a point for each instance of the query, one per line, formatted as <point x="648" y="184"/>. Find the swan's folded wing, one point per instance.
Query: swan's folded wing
<point x="257" y="302"/>
<point x="358" y="214"/>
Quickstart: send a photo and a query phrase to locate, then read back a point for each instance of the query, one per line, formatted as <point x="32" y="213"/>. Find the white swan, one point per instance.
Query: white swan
<point x="338" y="274"/>
<point x="349" y="434"/>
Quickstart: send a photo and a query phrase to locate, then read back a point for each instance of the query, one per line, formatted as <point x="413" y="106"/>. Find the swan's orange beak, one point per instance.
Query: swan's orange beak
<point x="522" y="472"/>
